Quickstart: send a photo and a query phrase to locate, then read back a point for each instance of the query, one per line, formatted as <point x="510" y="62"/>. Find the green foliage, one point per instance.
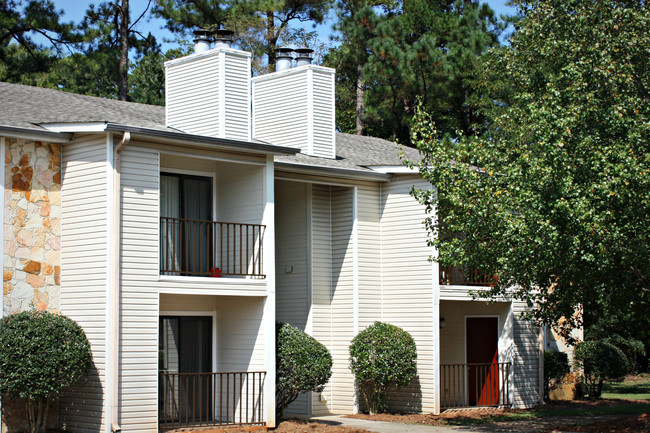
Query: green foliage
<point x="260" y="26"/>
<point x="302" y="364"/>
<point x="41" y="355"/>
<point x="394" y="52"/>
<point x="382" y="356"/>
<point x="556" y="366"/>
<point x="600" y="362"/>
<point x="553" y="198"/>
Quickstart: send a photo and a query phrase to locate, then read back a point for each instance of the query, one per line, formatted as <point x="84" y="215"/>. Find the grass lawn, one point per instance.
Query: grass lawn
<point x="634" y="388"/>
<point x="627" y="399"/>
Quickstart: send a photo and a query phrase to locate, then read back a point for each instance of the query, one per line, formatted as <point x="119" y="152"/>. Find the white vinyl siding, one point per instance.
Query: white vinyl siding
<point x="342" y="300"/>
<point x="332" y="287"/>
<point x="84" y="275"/>
<point x="528" y="344"/>
<point x="321" y="226"/>
<point x="208" y="94"/>
<point x="370" y="267"/>
<point x="240" y="339"/>
<point x="293" y="297"/>
<point x="291" y="254"/>
<point x="407" y="290"/>
<point x="323" y="115"/>
<point x="295" y="108"/>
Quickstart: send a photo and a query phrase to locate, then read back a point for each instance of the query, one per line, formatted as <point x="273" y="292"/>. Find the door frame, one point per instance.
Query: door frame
<point x="478" y="316"/>
<point x="213" y="314"/>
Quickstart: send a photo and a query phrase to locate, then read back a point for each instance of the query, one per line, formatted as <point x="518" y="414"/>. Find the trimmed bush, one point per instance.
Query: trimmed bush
<point x="302" y="364"/>
<point x="382" y="356"/>
<point x="556" y="367"/>
<point x="600" y="361"/>
<point x="41" y="355"/>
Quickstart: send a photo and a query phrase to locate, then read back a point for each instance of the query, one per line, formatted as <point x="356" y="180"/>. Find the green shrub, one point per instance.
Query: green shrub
<point x="556" y="367"/>
<point x="302" y="364"/>
<point x="600" y="361"/>
<point x="382" y="356"/>
<point x="41" y="355"/>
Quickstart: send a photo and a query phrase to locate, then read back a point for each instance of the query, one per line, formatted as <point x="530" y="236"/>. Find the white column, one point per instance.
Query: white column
<point x="268" y="220"/>
<point x="355" y="278"/>
<point x="435" y="269"/>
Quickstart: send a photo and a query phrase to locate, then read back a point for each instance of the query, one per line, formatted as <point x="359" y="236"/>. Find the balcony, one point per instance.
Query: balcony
<point x="471" y="385"/>
<point x="194" y="247"/>
<point x="453" y="275"/>
<point x="210" y="399"/>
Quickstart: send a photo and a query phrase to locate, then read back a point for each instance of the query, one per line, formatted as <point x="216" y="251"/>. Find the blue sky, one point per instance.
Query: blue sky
<point x="74" y="10"/>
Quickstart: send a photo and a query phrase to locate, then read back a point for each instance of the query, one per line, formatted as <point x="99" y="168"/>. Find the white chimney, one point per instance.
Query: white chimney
<point x="208" y="93"/>
<point x="223" y="38"/>
<point x="201" y="40"/>
<point x="295" y="108"/>
<point x="305" y="56"/>
<point x="283" y="58"/>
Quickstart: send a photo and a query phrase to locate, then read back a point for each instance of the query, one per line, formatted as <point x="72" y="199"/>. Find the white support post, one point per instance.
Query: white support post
<point x="435" y="269"/>
<point x="268" y="220"/>
<point x="355" y="278"/>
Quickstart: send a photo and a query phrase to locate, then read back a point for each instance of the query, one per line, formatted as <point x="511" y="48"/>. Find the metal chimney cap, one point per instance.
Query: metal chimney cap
<point x="223" y="34"/>
<point x="304" y="52"/>
<point x="202" y="35"/>
<point x="284" y="52"/>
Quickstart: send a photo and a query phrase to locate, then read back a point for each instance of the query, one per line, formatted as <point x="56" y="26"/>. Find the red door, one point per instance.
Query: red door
<point x="482" y="340"/>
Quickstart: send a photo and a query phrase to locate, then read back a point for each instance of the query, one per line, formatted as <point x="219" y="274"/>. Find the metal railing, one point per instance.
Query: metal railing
<point x="211" y="399"/>
<point x="453" y="275"/>
<point x="210" y="248"/>
<point x="468" y="385"/>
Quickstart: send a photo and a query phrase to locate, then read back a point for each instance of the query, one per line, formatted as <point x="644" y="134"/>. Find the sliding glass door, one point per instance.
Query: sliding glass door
<point x="185" y="351"/>
<point x="186" y="224"/>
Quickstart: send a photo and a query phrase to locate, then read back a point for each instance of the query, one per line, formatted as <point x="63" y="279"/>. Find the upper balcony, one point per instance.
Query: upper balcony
<point x="211" y="218"/>
<point x="456" y="276"/>
<point x="205" y="248"/>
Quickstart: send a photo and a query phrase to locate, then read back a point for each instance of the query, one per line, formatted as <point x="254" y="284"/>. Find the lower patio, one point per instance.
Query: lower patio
<point x="212" y="361"/>
<point x="476" y="354"/>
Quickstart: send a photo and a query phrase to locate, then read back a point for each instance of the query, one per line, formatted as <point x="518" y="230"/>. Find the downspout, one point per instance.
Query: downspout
<point x="115" y="295"/>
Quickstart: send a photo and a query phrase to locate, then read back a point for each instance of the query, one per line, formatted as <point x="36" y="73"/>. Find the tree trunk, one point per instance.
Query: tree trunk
<point x="361" y="107"/>
<point x="271" y="40"/>
<point x="124" y="51"/>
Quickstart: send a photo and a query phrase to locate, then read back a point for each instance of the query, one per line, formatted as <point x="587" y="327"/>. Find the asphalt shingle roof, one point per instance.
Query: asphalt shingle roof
<point x="28" y="107"/>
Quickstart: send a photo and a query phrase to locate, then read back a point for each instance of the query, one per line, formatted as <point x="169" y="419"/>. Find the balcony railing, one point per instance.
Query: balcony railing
<point x="453" y="275"/>
<point x="468" y="385"/>
<point x="210" y="248"/>
<point x="211" y="399"/>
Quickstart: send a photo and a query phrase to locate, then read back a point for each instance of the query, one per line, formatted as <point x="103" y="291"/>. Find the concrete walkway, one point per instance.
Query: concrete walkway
<point x="390" y="427"/>
<point x="523" y="426"/>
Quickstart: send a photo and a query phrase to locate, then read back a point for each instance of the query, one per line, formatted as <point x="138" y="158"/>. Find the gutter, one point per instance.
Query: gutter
<point x="331" y="171"/>
<point x="34" y="134"/>
<point x="115" y="285"/>
<point x="227" y="143"/>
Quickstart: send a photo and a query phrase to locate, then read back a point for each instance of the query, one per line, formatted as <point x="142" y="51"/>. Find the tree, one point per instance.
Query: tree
<point x="109" y="37"/>
<point x="302" y="364"/>
<point x="41" y="355"/>
<point x="411" y="49"/>
<point x="600" y="362"/>
<point x="382" y="356"/>
<point x="22" y="56"/>
<point x="553" y="199"/>
<point x="357" y="25"/>
<point x="260" y="26"/>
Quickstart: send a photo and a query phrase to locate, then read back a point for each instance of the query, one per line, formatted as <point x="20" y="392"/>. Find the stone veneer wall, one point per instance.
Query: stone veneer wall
<point x="32" y="228"/>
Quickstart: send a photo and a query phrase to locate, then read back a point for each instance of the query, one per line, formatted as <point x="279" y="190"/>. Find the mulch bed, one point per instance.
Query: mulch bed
<point x="289" y="426"/>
